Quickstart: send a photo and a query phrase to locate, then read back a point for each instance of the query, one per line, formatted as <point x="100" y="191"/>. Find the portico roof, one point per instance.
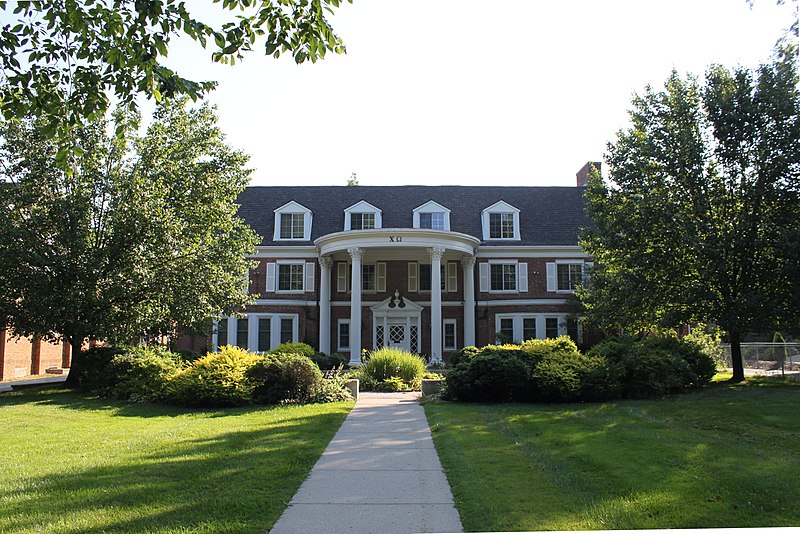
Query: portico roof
<point x="397" y="238"/>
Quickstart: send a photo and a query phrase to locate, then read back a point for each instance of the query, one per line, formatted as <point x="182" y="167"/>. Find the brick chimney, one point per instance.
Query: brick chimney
<point x="583" y="174"/>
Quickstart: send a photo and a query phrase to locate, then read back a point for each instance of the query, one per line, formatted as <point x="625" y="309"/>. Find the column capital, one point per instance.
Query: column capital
<point x="436" y="253"/>
<point x="325" y="262"/>
<point x="468" y="262"/>
<point x="356" y="253"/>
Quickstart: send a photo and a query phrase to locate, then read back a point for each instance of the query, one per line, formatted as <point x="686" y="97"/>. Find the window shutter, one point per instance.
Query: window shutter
<point x="522" y="277"/>
<point x="483" y="271"/>
<point x="310" y="268"/>
<point x="452" y="277"/>
<point x="271" y="267"/>
<point x="341" y="277"/>
<point x="412" y="276"/>
<point x="380" y="277"/>
<point x="551" y="276"/>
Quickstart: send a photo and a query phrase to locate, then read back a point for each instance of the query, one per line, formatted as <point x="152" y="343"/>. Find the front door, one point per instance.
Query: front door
<point x="398" y="337"/>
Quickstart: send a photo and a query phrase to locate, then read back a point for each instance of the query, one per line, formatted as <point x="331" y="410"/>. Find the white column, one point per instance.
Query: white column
<point x="355" y="307"/>
<point x="436" y="303"/>
<point x="469" y="300"/>
<point x="325" y="264"/>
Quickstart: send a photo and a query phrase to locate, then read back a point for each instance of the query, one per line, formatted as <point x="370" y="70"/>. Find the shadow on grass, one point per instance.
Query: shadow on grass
<point x="184" y="479"/>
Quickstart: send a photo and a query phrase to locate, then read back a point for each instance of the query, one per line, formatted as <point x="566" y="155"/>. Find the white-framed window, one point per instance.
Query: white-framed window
<point x="362" y="216"/>
<point x="420" y="276"/>
<point x="373" y="277"/>
<point x="343" y="334"/>
<point x="503" y="276"/>
<point x="564" y="276"/>
<point x="292" y="222"/>
<point x="518" y="327"/>
<point x="432" y="215"/>
<point x="500" y="221"/>
<point x="290" y="276"/>
<point x="449" y="334"/>
<point x="260" y="332"/>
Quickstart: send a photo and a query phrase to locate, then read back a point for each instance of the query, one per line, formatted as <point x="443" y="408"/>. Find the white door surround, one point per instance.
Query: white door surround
<point x="397" y="322"/>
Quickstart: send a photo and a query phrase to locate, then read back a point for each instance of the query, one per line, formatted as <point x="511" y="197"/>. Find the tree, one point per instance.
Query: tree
<point x="142" y="237"/>
<point x="353" y="180"/>
<point x="61" y="58"/>
<point x="700" y="218"/>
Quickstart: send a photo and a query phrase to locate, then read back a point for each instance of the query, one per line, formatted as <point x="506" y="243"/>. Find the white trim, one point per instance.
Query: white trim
<point x="522" y="251"/>
<point x="280" y="263"/>
<point x="500" y="207"/>
<point x="523" y="302"/>
<point x="516" y="276"/>
<point x="293" y="207"/>
<point x="432" y="207"/>
<point x="362" y="207"/>
<point x="339" y="324"/>
<point x="252" y="324"/>
<point x="285" y="302"/>
<point x="446" y="322"/>
<point x="397" y="238"/>
<point x="445" y="303"/>
<point x="285" y="251"/>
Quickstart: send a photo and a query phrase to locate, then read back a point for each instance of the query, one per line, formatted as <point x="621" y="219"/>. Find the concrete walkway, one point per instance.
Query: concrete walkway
<point x="380" y="473"/>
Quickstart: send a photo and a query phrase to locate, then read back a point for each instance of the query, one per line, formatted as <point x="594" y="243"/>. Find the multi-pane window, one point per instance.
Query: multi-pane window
<point x="264" y="334"/>
<point x="344" y="335"/>
<point x="368" y="277"/>
<point x="503" y="277"/>
<point x="287" y="330"/>
<point x="290" y="277"/>
<point x="362" y="221"/>
<point x="449" y="337"/>
<point x="222" y="332"/>
<point x="569" y="275"/>
<point x="528" y="328"/>
<point x="241" y="333"/>
<point x="426" y="277"/>
<point x="506" y="331"/>
<point x="292" y="225"/>
<point x="432" y="220"/>
<point x="551" y="327"/>
<point x="501" y="226"/>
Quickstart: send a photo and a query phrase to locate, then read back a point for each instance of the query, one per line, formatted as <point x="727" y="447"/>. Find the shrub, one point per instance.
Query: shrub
<point x="571" y="376"/>
<point x="142" y="374"/>
<point x="90" y="368"/>
<point x="388" y="363"/>
<point x="393" y="384"/>
<point x="491" y="377"/>
<point x="327" y="362"/>
<point x="462" y="355"/>
<point x="284" y="378"/>
<point x="332" y="390"/>
<point x="294" y="348"/>
<point x="217" y="379"/>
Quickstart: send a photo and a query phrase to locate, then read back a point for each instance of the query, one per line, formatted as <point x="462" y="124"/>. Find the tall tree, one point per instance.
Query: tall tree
<point x="62" y="58"/>
<point x="700" y="218"/>
<point x="142" y="237"/>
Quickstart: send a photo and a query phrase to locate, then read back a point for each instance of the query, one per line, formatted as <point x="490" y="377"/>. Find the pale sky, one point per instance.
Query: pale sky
<point x="462" y="92"/>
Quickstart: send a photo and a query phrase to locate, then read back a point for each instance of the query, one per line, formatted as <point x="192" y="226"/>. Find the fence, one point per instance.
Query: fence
<point x="767" y="358"/>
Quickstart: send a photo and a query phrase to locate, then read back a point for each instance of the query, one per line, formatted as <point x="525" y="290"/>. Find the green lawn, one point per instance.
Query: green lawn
<point x="69" y="463"/>
<point x="727" y="456"/>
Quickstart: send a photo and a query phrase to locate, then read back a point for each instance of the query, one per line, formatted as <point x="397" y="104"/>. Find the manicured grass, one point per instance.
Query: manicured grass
<point x="727" y="456"/>
<point x="75" y="464"/>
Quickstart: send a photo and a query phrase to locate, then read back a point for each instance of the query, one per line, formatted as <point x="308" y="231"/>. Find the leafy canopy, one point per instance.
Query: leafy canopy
<point x="142" y="237"/>
<point x="700" y="218"/>
<point x="62" y="59"/>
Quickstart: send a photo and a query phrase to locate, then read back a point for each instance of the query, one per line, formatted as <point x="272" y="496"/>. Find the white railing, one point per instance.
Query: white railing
<point x="767" y="358"/>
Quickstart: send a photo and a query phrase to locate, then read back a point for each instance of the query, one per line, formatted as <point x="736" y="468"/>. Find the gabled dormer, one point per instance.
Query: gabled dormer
<point x="292" y="222"/>
<point x="362" y="216"/>
<point x="433" y="216"/>
<point x="500" y="222"/>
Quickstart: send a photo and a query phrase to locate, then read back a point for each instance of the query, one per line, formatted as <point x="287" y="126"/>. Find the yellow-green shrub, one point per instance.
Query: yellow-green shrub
<point x="217" y="379"/>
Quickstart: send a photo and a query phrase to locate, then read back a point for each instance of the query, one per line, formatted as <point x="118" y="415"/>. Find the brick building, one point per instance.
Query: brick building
<point x="21" y="357"/>
<point x="427" y="268"/>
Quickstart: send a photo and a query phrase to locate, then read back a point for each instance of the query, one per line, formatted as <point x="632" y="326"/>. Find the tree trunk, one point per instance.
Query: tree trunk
<point x="736" y="357"/>
<point x="75" y="365"/>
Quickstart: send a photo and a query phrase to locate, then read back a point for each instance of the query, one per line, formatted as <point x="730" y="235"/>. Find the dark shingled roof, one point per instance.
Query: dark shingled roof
<point x="548" y="215"/>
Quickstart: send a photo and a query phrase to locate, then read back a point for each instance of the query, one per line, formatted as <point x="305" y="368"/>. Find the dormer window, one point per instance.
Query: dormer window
<point x="432" y="216"/>
<point x="500" y="221"/>
<point x="362" y="216"/>
<point x="292" y="223"/>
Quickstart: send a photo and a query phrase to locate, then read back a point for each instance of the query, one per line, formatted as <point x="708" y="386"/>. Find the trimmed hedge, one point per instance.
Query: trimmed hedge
<point x="554" y="370"/>
<point x="217" y="379"/>
<point x="284" y="378"/>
